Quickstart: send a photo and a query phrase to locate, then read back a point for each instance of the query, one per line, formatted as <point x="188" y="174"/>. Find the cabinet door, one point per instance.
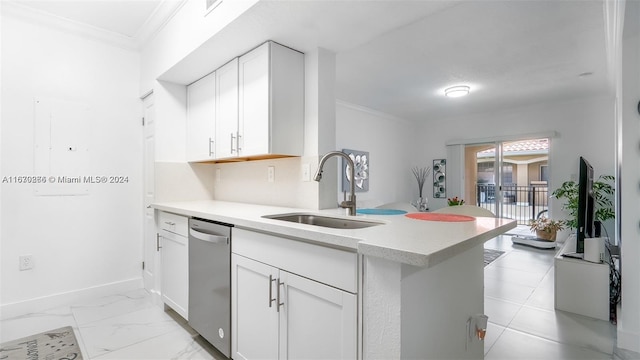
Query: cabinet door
<point x="254" y="102"/>
<point x="175" y="272"/>
<point x="201" y="112"/>
<point x="253" y="309"/>
<point x="227" y="110"/>
<point x="316" y="321"/>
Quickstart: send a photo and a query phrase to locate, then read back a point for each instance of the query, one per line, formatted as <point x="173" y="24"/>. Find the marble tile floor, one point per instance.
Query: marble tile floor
<point x="523" y="323"/>
<point x="518" y="300"/>
<point x="123" y="326"/>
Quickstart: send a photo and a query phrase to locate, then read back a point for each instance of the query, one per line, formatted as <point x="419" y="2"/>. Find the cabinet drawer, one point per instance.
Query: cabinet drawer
<point x="177" y="224"/>
<point x="334" y="267"/>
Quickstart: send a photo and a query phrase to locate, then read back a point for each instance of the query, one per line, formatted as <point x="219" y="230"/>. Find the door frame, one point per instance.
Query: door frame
<point x="151" y="258"/>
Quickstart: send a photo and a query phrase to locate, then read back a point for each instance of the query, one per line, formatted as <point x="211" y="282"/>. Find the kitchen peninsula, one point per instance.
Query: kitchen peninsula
<point x="406" y="287"/>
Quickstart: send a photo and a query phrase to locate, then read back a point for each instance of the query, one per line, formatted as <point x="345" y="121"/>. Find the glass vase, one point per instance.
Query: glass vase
<point x="421" y="204"/>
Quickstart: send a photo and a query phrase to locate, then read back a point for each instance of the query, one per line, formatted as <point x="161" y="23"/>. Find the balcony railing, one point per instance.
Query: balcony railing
<point x="521" y="203"/>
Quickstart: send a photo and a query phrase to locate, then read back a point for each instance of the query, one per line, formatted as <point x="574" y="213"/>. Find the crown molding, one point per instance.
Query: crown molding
<point x="152" y="26"/>
<point x="160" y="17"/>
<point x="373" y="112"/>
<point x="23" y="12"/>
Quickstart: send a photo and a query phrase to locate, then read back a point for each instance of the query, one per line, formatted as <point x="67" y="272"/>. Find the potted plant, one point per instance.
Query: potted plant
<point x="455" y="201"/>
<point x="603" y="190"/>
<point x="546" y="228"/>
<point x="421" y="176"/>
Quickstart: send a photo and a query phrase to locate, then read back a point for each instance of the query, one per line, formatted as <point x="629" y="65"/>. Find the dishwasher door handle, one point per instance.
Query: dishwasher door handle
<point x="216" y="239"/>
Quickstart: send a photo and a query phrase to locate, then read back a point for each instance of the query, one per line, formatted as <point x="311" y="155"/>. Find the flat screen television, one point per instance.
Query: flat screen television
<point x="586" y="205"/>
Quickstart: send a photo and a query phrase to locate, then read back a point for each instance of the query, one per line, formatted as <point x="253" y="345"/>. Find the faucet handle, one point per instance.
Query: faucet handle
<point x="346" y="204"/>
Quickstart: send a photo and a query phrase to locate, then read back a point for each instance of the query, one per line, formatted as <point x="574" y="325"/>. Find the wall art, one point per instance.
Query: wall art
<point x="361" y="162"/>
<point x="439" y="178"/>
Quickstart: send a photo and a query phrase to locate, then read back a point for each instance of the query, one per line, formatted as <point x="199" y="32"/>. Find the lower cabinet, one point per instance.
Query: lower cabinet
<point x="174" y="269"/>
<point x="279" y="315"/>
<point x="175" y="272"/>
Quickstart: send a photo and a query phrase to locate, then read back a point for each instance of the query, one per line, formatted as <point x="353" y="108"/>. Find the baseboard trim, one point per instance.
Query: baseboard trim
<point x="55" y="300"/>
<point x="624" y="354"/>
<point x="627" y="344"/>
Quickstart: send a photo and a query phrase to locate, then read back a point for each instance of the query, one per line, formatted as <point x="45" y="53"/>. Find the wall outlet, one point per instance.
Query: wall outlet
<point x="271" y="174"/>
<point x="26" y="262"/>
<point x="306" y="172"/>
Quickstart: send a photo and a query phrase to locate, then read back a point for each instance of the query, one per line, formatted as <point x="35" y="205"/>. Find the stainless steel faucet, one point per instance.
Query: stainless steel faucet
<point x="347" y="204"/>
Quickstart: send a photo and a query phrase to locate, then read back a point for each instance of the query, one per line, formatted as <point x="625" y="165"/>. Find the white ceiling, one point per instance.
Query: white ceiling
<point x="398" y="56"/>
<point x="511" y="53"/>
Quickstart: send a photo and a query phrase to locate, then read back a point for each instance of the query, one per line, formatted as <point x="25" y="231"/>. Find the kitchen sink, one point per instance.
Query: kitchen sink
<point x="324" y="221"/>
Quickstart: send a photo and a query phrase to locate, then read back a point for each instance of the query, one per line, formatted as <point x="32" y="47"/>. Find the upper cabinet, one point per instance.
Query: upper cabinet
<point x="227" y="110"/>
<point x="201" y="112"/>
<point x="254" y="107"/>
<point x="271" y="101"/>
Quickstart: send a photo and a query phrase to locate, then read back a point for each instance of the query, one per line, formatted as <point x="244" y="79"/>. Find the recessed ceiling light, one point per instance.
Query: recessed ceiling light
<point x="457" y="91"/>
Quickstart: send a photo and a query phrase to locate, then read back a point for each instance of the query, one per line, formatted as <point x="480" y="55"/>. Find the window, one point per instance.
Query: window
<point x="544" y="173"/>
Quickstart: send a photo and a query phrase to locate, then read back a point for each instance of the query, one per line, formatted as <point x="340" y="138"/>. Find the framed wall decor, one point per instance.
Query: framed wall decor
<point x="361" y="162"/>
<point x="439" y="178"/>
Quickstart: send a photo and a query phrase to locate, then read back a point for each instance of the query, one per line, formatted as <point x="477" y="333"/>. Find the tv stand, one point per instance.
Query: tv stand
<point x="581" y="287"/>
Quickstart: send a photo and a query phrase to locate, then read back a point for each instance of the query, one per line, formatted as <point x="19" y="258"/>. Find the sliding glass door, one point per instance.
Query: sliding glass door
<point x="508" y="178"/>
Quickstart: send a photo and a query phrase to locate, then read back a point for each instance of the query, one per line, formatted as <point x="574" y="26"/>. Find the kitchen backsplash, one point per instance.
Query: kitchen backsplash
<point x="247" y="182"/>
<point x="180" y="181"/>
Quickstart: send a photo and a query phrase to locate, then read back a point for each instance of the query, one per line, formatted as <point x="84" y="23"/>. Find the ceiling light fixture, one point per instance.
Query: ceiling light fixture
<point x="457" y="91"/>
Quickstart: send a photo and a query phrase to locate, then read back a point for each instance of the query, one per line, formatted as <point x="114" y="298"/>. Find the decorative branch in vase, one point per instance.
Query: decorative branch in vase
<point x="421" y="175"/>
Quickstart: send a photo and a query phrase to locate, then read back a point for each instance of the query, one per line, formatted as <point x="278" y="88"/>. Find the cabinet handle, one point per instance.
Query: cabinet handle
<point x="210" y="147"/>
<point x="169" y="223"/>
<point x="238" y="143"/>
<point x="158" y="247"/>
<point x="232" y="138"/>
<point x="271" y="280"/>
<point x="278" y="295"/>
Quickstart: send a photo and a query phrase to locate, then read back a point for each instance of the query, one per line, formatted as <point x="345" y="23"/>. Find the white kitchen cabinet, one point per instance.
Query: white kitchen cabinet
<point x="226" y="141"/>
<point x="316" y="320"/>
<point x="271" y="101"/>
<point x="254" y="317"/>
<point x="277" y="314"/>
<point x="173" y="243"/>
<point x="201" y="115"/>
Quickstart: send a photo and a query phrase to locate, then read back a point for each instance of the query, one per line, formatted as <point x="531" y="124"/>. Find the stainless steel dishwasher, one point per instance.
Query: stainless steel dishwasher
<point x="210" y="282"/>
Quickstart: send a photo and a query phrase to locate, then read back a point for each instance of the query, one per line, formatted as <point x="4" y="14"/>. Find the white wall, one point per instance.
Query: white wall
<point x="171" y="116"/>
<point x="629" y="317"/>
<point x="391" y="143"/>
<point x="184" y="33"/>
<point x="77" y="242"/>
<point x="585" y="127"/>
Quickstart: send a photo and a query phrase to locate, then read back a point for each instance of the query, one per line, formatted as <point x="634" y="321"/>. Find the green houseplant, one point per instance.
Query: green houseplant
<point x="603" y="191"/>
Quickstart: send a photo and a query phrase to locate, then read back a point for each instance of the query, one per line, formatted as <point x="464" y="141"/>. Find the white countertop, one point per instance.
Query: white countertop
<point x="401" y="239"/>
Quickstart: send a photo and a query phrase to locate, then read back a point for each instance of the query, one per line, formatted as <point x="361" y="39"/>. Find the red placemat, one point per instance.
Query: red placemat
<point x="440" y="217"/>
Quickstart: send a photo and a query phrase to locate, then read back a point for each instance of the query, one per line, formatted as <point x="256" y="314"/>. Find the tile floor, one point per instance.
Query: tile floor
<point x="124" y="326"/>
<point x="522" y="321"/>
<point x="518" y="301"/>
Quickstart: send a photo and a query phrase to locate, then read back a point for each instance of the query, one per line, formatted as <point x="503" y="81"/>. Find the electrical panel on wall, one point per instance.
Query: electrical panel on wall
<point x="61" y="147"/>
